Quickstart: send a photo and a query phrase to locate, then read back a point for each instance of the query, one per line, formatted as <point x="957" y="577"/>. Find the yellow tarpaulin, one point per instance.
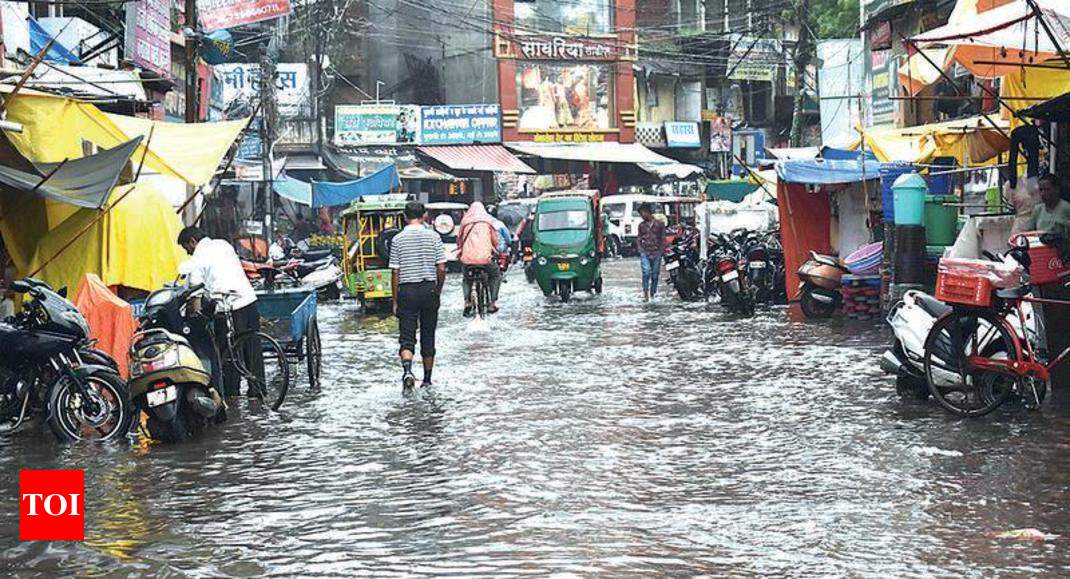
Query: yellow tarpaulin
<point x="1031" y="86"/>
<point x="971" y="141"/>
<point x="133" y="245"/>
<point x="917" y="72"/>
<point x="58" y="128"/>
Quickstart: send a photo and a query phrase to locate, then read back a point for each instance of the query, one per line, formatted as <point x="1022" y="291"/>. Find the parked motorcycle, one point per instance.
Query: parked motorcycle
<point x="911" y="320"/>
<point x="765" y="266"/>
<point x="45" y="359"/>
<point x="322" y="275"/>
<point x="728" y="273"/>
<point x="684" y="265"/>
<point x="172" y="362"/>
<point x="819" y="288"/>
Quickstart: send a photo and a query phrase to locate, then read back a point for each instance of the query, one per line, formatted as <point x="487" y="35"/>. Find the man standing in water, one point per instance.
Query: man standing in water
<point x="651" y="246"/>
<point x="418" y="261"/>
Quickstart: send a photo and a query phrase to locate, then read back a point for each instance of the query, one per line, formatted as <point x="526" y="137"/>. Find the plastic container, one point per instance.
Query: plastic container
<point x="963" y="289"/>
<point x="1047" y="265"/>
<point x="866" y="260"/>
<point x="942" y="184"/>
<point x="941" y="221"/>
<point x="909" y="198"/>
<point x="889" y="173"/>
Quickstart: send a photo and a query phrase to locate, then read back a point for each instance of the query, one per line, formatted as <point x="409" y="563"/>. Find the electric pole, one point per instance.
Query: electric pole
<point x="192" y="102"/>
<point x="267" y="132"/>
<point x="804" y="53"/>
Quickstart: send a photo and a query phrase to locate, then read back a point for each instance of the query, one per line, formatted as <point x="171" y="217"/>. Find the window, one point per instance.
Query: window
<point x="565" y="16"/>
<point x="560" y="220"/>
<point x="565" y="96"/>
<point x="614" y="211"/>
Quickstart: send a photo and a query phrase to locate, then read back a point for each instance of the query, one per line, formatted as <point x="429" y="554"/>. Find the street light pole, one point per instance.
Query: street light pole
<point x="267" y="134"/>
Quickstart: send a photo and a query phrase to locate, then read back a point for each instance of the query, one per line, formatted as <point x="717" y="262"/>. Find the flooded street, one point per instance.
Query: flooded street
<point x="602" y="436"/>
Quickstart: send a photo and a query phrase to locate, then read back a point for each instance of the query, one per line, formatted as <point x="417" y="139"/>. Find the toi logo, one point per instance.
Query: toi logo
<point x="51" y="505"/>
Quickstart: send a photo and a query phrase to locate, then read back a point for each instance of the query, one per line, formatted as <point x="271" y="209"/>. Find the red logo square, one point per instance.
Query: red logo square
<point x="51" y="505"/>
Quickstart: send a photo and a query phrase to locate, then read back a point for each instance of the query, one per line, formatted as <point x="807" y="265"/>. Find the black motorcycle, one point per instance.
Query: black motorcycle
<point x="765" y="267"/>
<point x="683" y="263"/>
<point x="50" y="367"/>
<point x="728" y="273"/>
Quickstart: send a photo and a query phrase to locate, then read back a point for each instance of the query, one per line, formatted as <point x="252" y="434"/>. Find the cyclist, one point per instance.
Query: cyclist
<point x="505" y="237"/>
<point x="214" y="263"/>
<point x="477" y="242"/>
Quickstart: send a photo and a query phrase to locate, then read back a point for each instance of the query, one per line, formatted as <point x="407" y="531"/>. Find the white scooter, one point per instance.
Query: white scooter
<point x="912" y="319"/>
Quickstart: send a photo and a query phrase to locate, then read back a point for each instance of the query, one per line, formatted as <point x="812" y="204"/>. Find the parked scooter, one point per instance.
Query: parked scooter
<point x="911" y="320"/>
<point x="172" y="362"/>
<point x="819" y="288"/>
<point x="46" y="358"/>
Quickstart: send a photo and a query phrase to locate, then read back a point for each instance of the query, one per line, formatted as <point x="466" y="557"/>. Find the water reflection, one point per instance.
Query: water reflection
<point x="603" y="436"/>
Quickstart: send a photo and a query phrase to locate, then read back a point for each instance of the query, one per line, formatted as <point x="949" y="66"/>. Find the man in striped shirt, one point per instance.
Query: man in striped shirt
<point x="418" y="262"/>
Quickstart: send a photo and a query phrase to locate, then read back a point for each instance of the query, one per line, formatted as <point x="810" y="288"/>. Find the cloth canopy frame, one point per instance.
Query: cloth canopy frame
<point x="85" y="182"/>
<point x="326" y="194"/>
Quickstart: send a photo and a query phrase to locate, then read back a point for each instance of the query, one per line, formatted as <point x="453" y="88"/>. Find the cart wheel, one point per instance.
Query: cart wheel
<point x="313" y="354"/>
<point x="598" y="285"/>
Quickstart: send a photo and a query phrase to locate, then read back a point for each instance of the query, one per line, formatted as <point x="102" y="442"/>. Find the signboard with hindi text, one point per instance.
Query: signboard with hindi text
<point x="461" y="124"/>
<point x="376" y="124"/>
<point x="561" y="48"/>
<point x="148" y="35"/>
<point x="241" y="81"/>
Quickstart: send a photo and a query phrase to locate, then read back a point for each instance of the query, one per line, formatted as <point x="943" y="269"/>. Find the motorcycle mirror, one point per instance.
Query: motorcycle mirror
<point x="62" y="292"/>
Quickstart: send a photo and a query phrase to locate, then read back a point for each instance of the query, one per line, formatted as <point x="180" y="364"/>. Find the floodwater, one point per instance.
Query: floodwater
<point x="605" y="436"/>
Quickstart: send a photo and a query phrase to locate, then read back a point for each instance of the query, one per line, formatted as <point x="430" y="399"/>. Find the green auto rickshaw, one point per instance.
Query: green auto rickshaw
<point x="568" y="243"/>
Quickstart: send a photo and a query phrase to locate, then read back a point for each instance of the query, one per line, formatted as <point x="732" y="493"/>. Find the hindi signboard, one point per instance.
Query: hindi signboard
<point x="148" y="35"/>
<point x="376" y="124"/>
<point x="461" y="124"/>
<point x="241" y="81"/>
<point x="218" y="14"/>
<point x="561" y="48"/>
<point x="682" y="135"/>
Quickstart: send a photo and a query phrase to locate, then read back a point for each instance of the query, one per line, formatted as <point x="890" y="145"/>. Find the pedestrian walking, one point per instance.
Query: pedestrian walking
<point x="418" y="262"/>
<point x="650" y="244"/>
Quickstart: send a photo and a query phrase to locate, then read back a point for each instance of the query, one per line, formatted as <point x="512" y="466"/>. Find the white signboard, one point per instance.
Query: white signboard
<point x="241" y="81"/>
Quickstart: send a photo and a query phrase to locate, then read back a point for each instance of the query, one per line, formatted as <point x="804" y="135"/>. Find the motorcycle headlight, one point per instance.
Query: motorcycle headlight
<point x="591" y="254"/>
<point x="542" y="261"/>
<point x="584" y="261"/>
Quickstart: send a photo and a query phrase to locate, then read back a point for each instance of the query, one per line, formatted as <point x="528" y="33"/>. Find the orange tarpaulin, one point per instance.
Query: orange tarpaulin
<point x="111" y="320"/>
<point x="805" y="219"/>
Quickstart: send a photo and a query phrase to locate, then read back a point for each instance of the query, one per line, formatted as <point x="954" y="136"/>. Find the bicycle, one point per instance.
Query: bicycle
<point x="983" y="352"/>
<point x="270" y="385"/>
<point x="479" y="290"/>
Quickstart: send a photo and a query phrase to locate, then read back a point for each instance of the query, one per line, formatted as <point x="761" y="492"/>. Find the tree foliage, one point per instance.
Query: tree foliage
<point x="835" y="18"/>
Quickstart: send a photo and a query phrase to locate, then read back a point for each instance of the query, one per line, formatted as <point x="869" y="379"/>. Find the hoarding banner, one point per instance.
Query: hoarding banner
<point x="461" y="125"/>
<point x="376" y="124"/>
<point x="217" y="14"/>
<point x="241" y="81"/>
<point x="720" y="134"/>
<point x="561" y="48"/>
<point x="148" y="35"/>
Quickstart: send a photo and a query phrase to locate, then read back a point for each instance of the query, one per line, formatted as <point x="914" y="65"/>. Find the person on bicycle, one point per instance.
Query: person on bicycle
<point x="505" y="238"/>
<point x="214" y="264"/>
<point x="477" y="244"/>
<point x="418" y="264"/>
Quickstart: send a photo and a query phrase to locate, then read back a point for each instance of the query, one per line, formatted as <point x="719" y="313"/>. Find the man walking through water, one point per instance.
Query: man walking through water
<point x="651" y="246"/>
<point x="418" y="262"/>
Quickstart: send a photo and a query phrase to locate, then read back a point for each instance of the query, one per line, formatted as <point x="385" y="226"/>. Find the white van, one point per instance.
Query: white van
<point x="623" y="214"/>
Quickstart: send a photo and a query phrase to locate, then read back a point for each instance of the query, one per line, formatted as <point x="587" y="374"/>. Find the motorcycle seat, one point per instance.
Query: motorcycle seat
<point x="308" y="267"/>
<point x="315" y="254"/>
<point x="931" y="305"/>
<point x="825" y="259"/>
<point x="1015" y="293"/>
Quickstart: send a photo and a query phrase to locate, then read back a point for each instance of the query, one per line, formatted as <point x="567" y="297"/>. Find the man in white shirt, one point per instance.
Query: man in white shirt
<point x="215" y="264"/>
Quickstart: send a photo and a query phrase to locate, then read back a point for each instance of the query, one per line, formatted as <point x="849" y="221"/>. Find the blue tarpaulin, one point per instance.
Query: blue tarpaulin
<point x="823" y="172"/>
<point x="325" y="194"/>
<point x="39" y="37"/>
<point x="833" y="154"/>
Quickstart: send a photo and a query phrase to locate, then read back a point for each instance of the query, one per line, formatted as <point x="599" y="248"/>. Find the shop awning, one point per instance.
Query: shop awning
<point x="822" y="172"/>
<point x="363" y="161"/>
<point x="918" y="72"/>
<point x="1010" y="35"/>
<point x="87" y="82"/>
<point x="84" y="182"/>
<point x="327" y="194"/>
<point x="834" y="154"/>
<point x="668" y="171"/>
<point x="734" y="190"/>
<point x="971" y="141"/>
<point x="785" y="153"/>
<point x="489" y="158"/>
<point x="612" y="152"/>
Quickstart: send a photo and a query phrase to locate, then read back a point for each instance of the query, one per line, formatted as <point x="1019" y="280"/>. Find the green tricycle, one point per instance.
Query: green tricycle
<point x="568" y="243"/>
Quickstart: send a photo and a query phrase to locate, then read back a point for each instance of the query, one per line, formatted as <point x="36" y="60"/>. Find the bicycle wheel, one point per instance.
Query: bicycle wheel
<point x="953" y="381"/>
<point x="481" y="298"/>
<point x="271" y="386"/>
<point x="313" y="354"/>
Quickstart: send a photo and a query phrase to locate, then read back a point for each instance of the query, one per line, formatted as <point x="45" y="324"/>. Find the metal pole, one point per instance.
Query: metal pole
<point x="192" y="112"/>
<point x="267" y="137"/>
<point x="1047" y="30"/>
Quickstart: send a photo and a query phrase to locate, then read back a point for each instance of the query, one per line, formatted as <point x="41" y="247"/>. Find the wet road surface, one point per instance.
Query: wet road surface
<point x="602" y="436"/>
